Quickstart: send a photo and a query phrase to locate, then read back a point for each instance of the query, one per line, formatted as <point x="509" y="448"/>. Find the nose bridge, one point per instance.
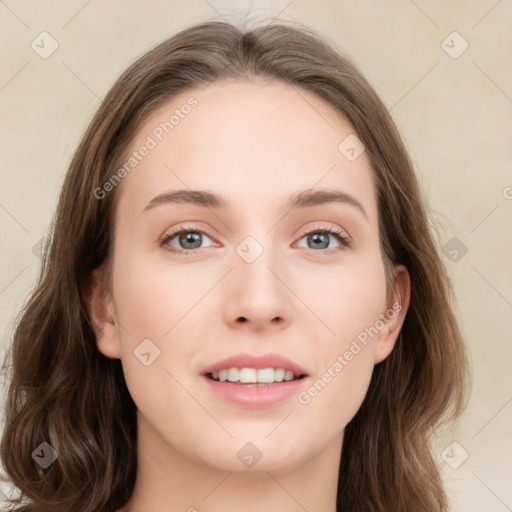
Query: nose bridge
<point x="256" y="256"/>
<point x="257" y="293"/>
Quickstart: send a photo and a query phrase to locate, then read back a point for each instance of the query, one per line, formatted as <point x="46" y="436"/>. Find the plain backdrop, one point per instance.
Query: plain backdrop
<point x="441" y="67"/>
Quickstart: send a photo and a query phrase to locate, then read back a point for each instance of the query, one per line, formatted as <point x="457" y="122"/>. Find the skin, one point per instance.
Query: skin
<point x="257" y="144"/>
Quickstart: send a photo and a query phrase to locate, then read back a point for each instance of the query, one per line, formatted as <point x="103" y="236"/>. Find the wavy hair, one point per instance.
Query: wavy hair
<point x="63" y="391"/>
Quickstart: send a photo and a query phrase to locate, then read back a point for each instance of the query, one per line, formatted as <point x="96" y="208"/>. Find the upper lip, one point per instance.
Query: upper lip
<point x="256" y="361"/>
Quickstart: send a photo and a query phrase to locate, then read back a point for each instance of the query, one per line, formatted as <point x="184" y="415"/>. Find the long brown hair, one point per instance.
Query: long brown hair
<point x="63" y="391"/>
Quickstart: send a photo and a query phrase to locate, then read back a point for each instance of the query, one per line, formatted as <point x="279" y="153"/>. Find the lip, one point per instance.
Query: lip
<point x="256" y="361"/>
<point x="255" y="396"/>
<point x="251" y="395"/>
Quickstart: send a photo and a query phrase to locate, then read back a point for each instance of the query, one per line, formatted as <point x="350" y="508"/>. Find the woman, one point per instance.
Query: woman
<point x="242" y="303"/>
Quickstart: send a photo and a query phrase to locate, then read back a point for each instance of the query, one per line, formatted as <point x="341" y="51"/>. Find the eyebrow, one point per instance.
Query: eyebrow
<point x="205" y="199"/>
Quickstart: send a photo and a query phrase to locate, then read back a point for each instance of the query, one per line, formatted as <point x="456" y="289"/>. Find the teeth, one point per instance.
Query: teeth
<point x="233" y="374"/>
<point x="247" y="375"/>
<point x="279" y="374"/>
<point x="288" y="375"/>
<point x="253" y="375"/>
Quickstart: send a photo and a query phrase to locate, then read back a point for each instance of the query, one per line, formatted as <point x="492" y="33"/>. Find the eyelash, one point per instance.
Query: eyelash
<point x="338" y="234"/>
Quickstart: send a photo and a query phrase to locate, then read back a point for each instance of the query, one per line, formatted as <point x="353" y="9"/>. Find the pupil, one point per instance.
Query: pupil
<point x="191" y="237"/>
<point x="317" y="237"/>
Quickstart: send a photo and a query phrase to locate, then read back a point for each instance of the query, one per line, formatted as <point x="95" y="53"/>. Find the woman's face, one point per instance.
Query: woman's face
<point x="249" y="276"/>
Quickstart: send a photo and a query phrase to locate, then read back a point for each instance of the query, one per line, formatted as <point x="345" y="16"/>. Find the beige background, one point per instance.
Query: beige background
<point x="455" y="115"/>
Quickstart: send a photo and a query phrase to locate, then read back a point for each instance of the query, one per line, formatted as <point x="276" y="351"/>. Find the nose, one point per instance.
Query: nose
<point x="257" y="294"/>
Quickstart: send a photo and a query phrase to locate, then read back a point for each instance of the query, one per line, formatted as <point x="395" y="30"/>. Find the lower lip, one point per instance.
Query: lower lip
<point x="255" y="396"/>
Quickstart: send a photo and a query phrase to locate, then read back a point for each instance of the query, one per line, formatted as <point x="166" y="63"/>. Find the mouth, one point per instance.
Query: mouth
<point x="254" y="376"/>
<point x="255" y="380"/>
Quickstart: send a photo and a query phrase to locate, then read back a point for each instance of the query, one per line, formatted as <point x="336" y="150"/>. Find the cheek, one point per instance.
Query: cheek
<point x="159" y="309"/>
<point x="338" y="389"/>
<point x="156" y="304"/>
<point x="349" y="306"/>
<point x="152" y="300"/>
<point x="348" y="298"/>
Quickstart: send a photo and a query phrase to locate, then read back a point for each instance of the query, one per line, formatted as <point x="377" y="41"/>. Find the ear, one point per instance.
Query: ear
<point x="100" y="308"/>
<point x="394" y="316"/>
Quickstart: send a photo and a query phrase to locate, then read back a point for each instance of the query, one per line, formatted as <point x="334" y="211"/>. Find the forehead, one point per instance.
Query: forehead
<point x="248" y="141"/>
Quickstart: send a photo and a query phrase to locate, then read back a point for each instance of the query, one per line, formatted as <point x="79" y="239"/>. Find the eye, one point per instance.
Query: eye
<point x="319" y="238"/>
<point x="188" y="239"/>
